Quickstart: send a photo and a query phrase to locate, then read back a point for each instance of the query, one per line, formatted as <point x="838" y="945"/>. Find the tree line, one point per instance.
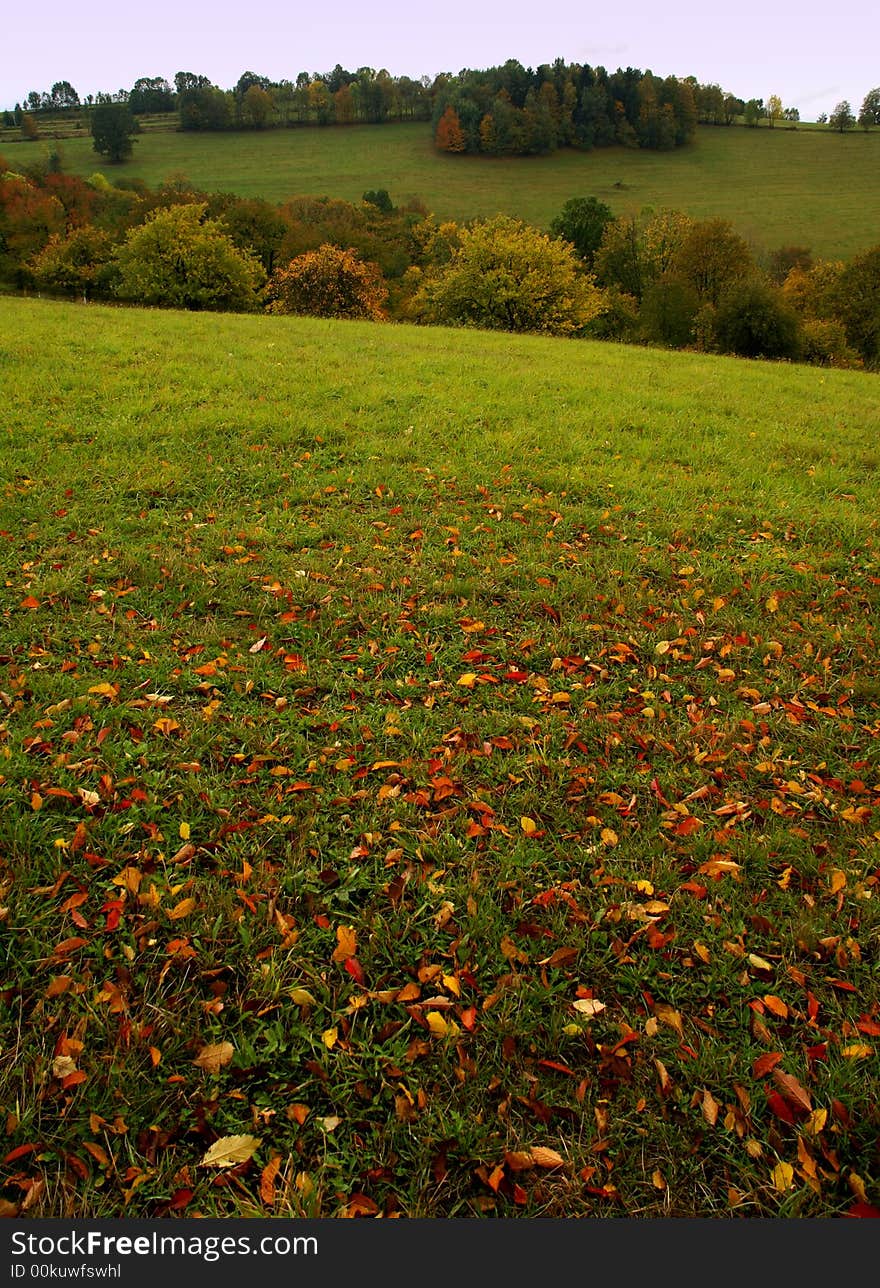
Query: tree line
<point x="503" y="109"/>
<point x="661" y="278"/>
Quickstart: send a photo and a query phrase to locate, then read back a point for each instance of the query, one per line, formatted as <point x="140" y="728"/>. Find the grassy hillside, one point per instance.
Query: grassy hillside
<point x="449" y="759"/>
<point x="804" y="187"/>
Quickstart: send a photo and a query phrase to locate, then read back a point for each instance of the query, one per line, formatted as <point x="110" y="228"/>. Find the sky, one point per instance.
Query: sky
<point x="811" y="54"/>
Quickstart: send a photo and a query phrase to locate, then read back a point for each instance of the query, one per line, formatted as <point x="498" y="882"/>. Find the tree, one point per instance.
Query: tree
<point x="857" y="304"/>
<point x="449" y="136"/>
<point x="181" y="259"/>
<point x="74" y="264"/>
<point x="151" y="94"/>
<point x="257" y="106"/>
<point x="380" y="198"/>
<point x="29" y="128"/>
<point x="582" y="221"/>
<point x="870" y="110"/>
<point x="507" y="276"/>
<point x="842" y="119"/>
<point x="754" y="110"/>
<point x="712" y="257"/>
<point x="64" y="96"/>
<point x="669" y="310"/>
<point x="773" y="110"/>
<point x="329" y="283"/>
<point x="112" y="126"/>
<point x="754" y="321"/>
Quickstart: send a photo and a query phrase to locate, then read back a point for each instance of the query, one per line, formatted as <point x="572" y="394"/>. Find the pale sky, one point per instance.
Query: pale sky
<point x="811" y="53"/>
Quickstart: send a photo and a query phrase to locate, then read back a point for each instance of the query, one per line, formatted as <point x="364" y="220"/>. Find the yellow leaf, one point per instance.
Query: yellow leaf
<point x="772" y="604"/>
<point x="213" y="1057"/>
<point x="36" y="801"/>
<point x="668" y="1015"/>
<point x="302" y="997"/>
<point x="182" y="909"/>
<point x="816" y="1122"/>
<point x="782" y="1177"/>
<point x="838" y="881"/>
<point x="857" y="1050"/>
<point x="644" y="887"/>
<point x="329" y="1036"/>
<point x="450" y="982"/>
<point x="437" y="1024"/>
<point x="468" y="680"/>
<point x="104" y="690"/>
<point x="608" y="837"/>
<point x="230" y="1150"/>
<point x="528" y="825"/>
<point x="184" y="831"/>
<point x="758" y="962"/>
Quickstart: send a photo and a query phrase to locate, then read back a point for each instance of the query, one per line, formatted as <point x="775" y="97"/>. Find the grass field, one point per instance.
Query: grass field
<point x="778" y="187"/>
<point x="446" y="759"/>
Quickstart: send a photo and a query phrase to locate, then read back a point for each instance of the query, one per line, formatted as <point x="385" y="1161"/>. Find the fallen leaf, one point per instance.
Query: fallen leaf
<point x="213" y="1057"/>
<point x="792" y="1090"/>
<point x="230" y="1150"/>
<point x="543" y="1157"/>
<point x="588" y="1006"/>
<point x="782" y="1177"/>
<point x="346" y="943"/>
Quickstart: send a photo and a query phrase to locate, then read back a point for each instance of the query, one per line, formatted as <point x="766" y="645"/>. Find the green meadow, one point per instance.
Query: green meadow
<point x="778" y="187"/>
<point x="438" y="770"/>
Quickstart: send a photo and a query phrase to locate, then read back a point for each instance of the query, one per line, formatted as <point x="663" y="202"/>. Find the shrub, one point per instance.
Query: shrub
<point x="824" y="343"/>
<point x="329" y="283"/>
<point x="506" y="276"/>
<point x="754" y="321"/>
<point x="857" y="304"/>
<point x="78" y="264"/>
<point x="183" y="260"/>
<point x="669" y="311"/>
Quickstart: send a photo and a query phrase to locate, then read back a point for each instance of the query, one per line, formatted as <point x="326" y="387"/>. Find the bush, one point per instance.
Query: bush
<point x="824" y="343"/>
<point x="857" y="304"/>
<point x="78" y="264"/>
<point x="582" y="222"/>
<point x="506" y="276"/>
<point x="754" y="321"/>
<point x="183" y="260"/>
<point x="669" y="311"/>
<point x="329" y="283"/>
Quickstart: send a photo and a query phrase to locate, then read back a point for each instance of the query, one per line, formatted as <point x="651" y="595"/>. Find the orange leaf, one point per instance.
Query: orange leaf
<point x="346" y="943"/>
<point x="792" y="1090"/>
<point x="267" y="1179"/>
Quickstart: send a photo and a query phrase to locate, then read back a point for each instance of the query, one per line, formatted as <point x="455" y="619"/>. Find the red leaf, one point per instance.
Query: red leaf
<point x="355" y="970"/>
<point x="781" y="1108"/>
<point x="862" y="1209"/>
<point x="765" y="1063"/>
<point x="180" y="1199"/>
<point x="20" y="1151"/>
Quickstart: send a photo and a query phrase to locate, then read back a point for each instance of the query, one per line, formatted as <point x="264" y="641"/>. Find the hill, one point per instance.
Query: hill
<point x="778" y="187"/>
<point x="446" y="760"/>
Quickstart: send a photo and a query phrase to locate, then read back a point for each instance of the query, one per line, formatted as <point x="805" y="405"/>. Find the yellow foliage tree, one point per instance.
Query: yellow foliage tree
<point x="329" y="283"/>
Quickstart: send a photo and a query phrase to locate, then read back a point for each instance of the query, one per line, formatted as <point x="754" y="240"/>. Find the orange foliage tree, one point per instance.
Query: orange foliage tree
<point x="329" y="283"/>
<point x="449" y="136"/>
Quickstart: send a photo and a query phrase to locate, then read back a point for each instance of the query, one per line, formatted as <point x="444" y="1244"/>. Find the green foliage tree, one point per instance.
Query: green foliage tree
<point x="329" y="283"/>
<point x="857" y="304"/>
<point x="842" y="119"/>
<point x="506" y="276"/>
<point x="380" y="198"/>
<point x="754" y="110"/>
<point x="182" y="259"/>
<point x="29" y="128"/>
<point x="582" y="221"/>
<point x="256" y="106"/>
<point x="112" y="127"/>
<point x="870" y="110"/>
<point x="754" y="321"/>
<point x="77" y="263"/>
<point x="669" y="310"/>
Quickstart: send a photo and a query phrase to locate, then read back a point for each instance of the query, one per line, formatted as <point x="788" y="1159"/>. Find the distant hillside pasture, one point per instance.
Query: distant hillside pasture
<point x="778" y="187"/>
<point x="445" y="762"/>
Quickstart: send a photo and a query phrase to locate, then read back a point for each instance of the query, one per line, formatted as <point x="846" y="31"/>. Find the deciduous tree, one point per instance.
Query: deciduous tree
<point x="582" y="221"/>
<point x="842" y="119"/>
<point x="112" y="127"/>
<point x="330" y="283"/>
<point x="449" y="136"/>
<point x="507" y="276"/>
<point x="182" y="259"/>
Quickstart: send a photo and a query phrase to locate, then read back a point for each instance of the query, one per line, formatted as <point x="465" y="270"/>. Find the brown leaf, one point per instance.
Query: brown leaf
<point x="543" y="1157"/>
<point x="792" y="1090"/>
<point x="213" y="1057"/>
<point x="182" y="909"/>
<point x="710" y="1107"/>
<point x="267" y="1179"/>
